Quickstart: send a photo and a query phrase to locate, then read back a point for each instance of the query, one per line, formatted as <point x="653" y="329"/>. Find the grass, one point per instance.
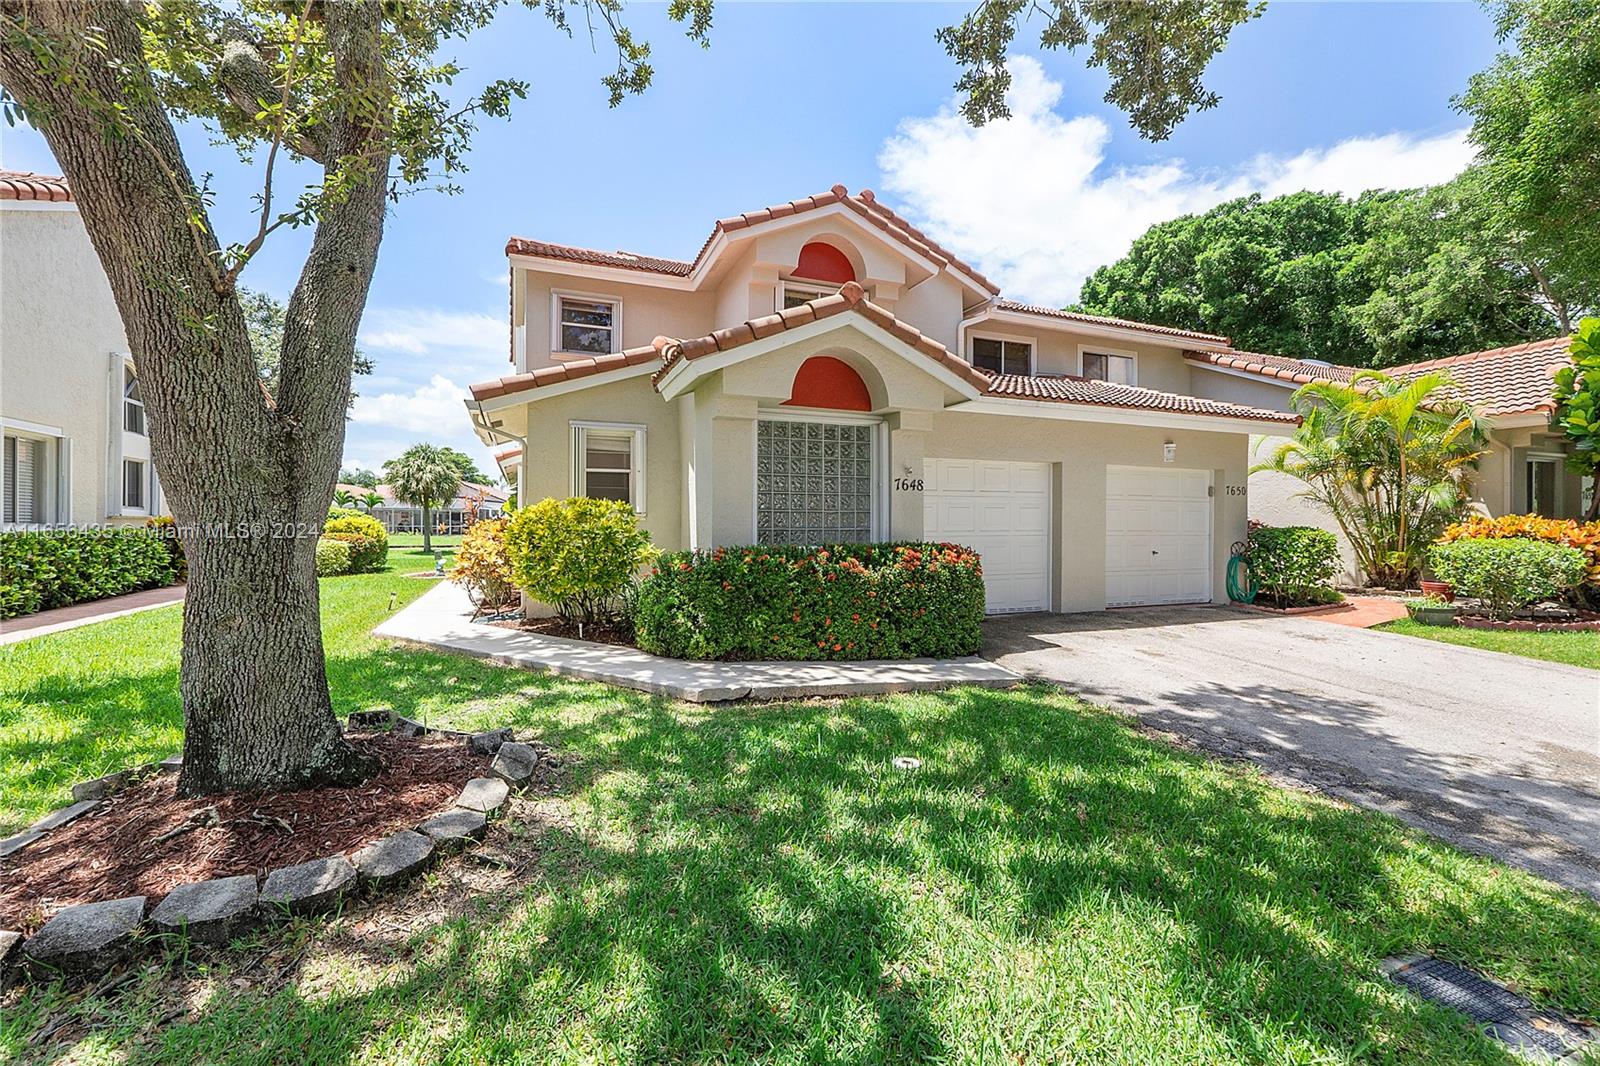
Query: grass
<point x="1574" y="649"/>
<point x="757" y="882"/>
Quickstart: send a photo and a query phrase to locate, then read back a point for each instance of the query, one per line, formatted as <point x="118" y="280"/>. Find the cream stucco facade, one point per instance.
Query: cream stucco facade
<point x="75" y="449"/>
<point x="678" y="386"/>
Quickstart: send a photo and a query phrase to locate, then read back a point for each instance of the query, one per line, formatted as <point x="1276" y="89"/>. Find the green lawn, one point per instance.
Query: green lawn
<point x="1576" y="649"/>
<point x="757" y="882"/>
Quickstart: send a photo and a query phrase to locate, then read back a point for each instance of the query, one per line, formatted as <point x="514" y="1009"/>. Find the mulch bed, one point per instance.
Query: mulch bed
<point x="111" y="852"/>
<point x="602" y="633"/>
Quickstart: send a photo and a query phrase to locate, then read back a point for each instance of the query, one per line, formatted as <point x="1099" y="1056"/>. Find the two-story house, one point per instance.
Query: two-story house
<point x="822" y="371"/>
<point x="77" y="449"/>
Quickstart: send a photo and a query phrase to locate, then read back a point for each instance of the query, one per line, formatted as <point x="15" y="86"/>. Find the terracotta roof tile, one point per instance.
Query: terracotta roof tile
<point x="864" y="204"/>
<point x="568" y="371"/>
<point x="26" y="185"/>
<point x="1067" y="389"/>
<point x="1500" y="381"/>
<point x="1102" y="320"/>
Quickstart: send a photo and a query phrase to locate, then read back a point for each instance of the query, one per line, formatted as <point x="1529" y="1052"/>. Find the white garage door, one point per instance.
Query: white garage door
<point x="1001" y="511"/>
<point x="1158" y="536"/>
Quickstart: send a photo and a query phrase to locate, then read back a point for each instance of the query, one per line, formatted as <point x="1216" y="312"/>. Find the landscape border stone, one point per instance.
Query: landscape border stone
<point x="215" y="911"/>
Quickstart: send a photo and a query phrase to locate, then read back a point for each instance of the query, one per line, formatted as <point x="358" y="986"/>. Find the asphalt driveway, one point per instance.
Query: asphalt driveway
<point x="1495" y="753"/>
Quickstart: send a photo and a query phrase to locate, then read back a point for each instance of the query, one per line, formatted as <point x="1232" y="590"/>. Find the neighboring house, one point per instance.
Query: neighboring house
<point x="822" y="371"/>
<point x="1523" y="471"/>
<point x="77" y="448"/>
<point x="484" y="500"/>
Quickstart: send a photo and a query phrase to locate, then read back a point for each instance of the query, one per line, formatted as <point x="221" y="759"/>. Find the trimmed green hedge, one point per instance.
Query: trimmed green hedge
<point x="368" y="540"/>
<point x="1508" y="574"/>
<point x="840" y="601"/>
<point x="1293" y="566"/>
<point x="333" y="557"/>
<point x="57" y="568"/>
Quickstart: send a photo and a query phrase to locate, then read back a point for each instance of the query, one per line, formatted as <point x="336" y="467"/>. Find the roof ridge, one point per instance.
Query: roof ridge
<point x="26" y="185"/>
<point x="1487" y="353"/>
<point x="1006" y="304"/>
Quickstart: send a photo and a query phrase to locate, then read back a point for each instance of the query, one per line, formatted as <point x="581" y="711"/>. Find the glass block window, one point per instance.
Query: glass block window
<point x="814" y="482"/>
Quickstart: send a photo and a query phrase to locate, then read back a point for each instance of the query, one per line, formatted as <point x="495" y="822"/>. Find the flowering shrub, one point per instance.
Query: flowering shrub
<point x="368" y="540"/>
<point x="841" y="601"/>
<point x="1293" y="566"/>
<point x="578" y="555"/>
<point x="333" y="557"/>
<point x="482" y="564"/>
<point x="1584" y="536"/>
<point x="56" y="568"/>
<point x="1508" y="573"/>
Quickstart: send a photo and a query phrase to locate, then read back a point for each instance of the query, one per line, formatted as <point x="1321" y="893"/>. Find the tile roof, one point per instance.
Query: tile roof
<point x="1500" y="381"/>
<point x="508" y="453"/>
<point x="1281" y="367"/>
<point x="864" y="204"/>
<point x="1102" y="320"/>
<point x="1071" y="389"/>
<point x="26" y="185"/>
<point x="851" y="297"/>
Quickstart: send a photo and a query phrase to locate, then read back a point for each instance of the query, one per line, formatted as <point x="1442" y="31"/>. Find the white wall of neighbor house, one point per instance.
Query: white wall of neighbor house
<point x="61" y="352"/>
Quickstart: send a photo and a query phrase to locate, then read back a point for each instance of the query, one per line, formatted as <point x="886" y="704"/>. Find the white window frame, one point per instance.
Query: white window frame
<point x="1559" y="460"/>
<point x="127" y="401"/>
<point x="55" y="477"/>
<point x="143" y="507"/>
<point x="1007" y="338"/>
<point x="880" y="462"/>
<point x="814" y="290"/>
<point x="557" y="295"/>
<point x="636" y="457"/>
<point x="1101" y="349"/>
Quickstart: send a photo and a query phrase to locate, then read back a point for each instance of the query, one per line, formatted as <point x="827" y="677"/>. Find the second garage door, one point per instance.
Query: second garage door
<point x="1001" y="511"/>
<point x="1158" y="536"/>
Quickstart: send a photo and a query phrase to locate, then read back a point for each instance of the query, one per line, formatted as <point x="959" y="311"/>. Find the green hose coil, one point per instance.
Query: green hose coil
<point x="1242" y="587"/>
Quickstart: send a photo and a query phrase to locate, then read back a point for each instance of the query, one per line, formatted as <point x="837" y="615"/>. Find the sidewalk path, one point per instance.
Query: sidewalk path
<point x="82" y="614"/>
<point x="441" y="618"/>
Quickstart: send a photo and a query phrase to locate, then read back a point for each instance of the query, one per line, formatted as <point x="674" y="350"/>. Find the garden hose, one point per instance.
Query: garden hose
<point x="1242" y="586"/>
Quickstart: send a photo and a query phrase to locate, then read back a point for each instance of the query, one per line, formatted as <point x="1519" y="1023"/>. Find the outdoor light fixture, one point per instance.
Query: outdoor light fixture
<point x="1169" y="452"/>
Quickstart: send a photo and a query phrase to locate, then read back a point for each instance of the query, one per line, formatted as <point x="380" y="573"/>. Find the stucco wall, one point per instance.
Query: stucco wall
<point x="647" y="312"/>
<point x="58" y="328"/>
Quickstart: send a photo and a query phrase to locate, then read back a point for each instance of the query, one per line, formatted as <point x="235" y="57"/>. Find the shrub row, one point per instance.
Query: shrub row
<point x="1584" y="536"/>
<point x="57" y="568"/>
<point x="1508" y="573"/>
<point x="367" y="540"/>
<point x="841" y="601"/>
<point x="1293" y="566"/>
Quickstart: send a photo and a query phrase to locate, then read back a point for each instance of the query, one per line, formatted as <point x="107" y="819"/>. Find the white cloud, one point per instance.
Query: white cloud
<point x="430" y="331"/>
<point x="427" y="409"/>
<point x="1028" y="201"/>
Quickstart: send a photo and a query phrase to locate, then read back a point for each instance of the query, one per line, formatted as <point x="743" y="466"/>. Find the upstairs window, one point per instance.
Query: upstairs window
<point x="585" y="324"/>
<point x="1109" y="366"/>
<point x="133" y="484"/>
<point x="795" y="294"/>
<point x="999" y="356"/>
<point x="132" y="402"/>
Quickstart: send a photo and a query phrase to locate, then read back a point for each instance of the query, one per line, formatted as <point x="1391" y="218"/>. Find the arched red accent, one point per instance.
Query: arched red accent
<point x="824" y="262"/>
<point x="823" y="381"/>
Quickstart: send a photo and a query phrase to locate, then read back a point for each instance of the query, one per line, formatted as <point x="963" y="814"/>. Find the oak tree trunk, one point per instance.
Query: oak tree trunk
<point x="248" y="479"/>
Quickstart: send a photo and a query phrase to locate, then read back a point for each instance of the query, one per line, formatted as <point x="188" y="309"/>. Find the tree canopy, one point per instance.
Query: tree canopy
<point x="1382" y="279"/>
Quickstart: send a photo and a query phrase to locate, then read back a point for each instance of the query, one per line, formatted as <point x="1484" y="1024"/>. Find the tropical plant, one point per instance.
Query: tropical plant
<point x="578" y="555"/>
<point x="371" y="500"/>
<point x="482" y="565"/>
<point x="1293" y="566"/>
<point x="1577" y="410"/>
<point x="1389" y="459"/>
<point x="343" y="498"/>
<point x="357" y="475"/>
<point x="368" y="540"/>
<point x="424" y="477"/>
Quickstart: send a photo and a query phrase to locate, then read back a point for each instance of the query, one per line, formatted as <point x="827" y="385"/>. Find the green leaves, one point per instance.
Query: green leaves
<point x="578" y="555"/>
<point x="1577" y="401"/>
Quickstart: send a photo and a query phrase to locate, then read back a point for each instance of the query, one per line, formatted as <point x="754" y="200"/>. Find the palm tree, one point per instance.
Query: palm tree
<point x="371" y="500"/>
<point x="1389" y="459"/>
<point x="342" y="497"/>
<point x="423" y="476"/>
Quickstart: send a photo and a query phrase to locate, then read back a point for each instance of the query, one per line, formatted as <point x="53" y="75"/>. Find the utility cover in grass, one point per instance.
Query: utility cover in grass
<point x="1503" y="1014"/>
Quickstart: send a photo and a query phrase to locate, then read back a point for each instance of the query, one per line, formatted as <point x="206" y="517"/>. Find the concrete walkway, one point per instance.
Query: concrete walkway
<point x="82" y="614"/>
<point x="441" y="618"/>
<point x="1495" y="753"/>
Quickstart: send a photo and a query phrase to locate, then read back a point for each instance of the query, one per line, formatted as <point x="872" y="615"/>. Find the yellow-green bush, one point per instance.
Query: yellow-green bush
<point x="366" y="537"/>
<point x="578" y="555"/>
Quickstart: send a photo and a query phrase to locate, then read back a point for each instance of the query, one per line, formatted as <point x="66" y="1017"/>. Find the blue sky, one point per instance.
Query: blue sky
<point x="793" y="97"/>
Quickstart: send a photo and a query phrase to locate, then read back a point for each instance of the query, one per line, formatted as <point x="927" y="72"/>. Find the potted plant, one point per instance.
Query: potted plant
<point x="1429" y="611"/>
<point x="1439" y="590"/>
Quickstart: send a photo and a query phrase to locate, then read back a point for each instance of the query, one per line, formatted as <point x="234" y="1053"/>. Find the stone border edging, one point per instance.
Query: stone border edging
<point x="86" y="939"/>
<point x="1526" y="625"/>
